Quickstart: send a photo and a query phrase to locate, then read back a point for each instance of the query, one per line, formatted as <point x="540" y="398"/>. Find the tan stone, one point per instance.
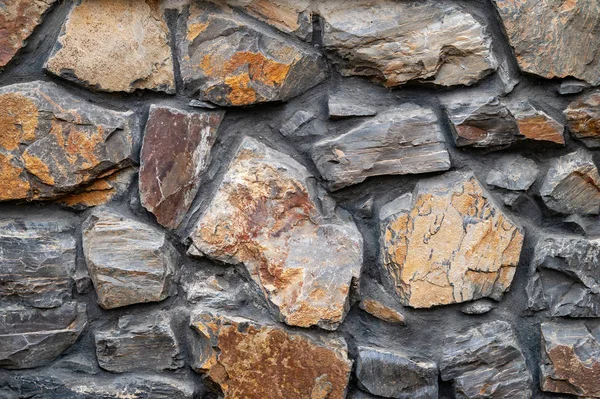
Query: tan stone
<point x="583" y="116"/>
<point x="381" y="311"/>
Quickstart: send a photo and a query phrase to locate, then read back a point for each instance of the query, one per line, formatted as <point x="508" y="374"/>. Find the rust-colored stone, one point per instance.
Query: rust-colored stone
<point x="583" y="116"/>
<point x="381" y="311"/>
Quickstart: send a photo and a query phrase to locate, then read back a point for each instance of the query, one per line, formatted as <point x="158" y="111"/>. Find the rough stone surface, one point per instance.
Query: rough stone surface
<point x="175" y="154"/>
<point x="115" y="45"/>
<point x="448" y="243"/>
<point x="486" y="362"/>
<point x="583" y="119"/>
<point x="405" y="140"/>
<point x="269" y="215"/>
<point x="237" y="354"/>
<point x="514" y="172"/>
<point x="129" y="262"/>
<point x="339" y="108"/>
<point x="536" y="125"/>
<point x="378" y="303"/>
<point x="297" y="120"/>
<point x="481" y="306"/>
<point x="572" y="86"/>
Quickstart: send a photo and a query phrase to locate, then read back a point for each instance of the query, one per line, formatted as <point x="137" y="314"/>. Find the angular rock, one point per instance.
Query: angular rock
<point x="570" y="359"/>
<point x="572" y="185"/>
<point x="231" y="60"/>
<point x="364" y="208"/>
<point x="339" y="108"/>
<point x="129" y="262"/>
<point x="33" y="337"/>
<point x="86" y="51"/>
<point x="448" y="243"/>
<point x="405" y="140"/>
<point x="572" y="86"/>
<point x="378" y="303"/>
<point x="536" y="125"/>
<point x="238" y="354"/>
<point x="486" y="362"/>
<point x="407" y="40"/>
<point x="564" y="45"/>
<point x="226" y="291"/>
<point x="588" y="225"/>
<point x="270" y="215"/>
<point x="583" y="119"/>
<point x="392" y="374"/>
<point x="18" y="18"/>
<point x="513" y="172"/>
<point x="175" y="154"/>
<point x="481" y="306"/>
<point x="53" y="142"/>
<point x="297" y="120"/>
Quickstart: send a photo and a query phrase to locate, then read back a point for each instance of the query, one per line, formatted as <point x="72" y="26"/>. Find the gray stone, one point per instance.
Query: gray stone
<point x="364" y="207"/>
<point x="572" y="86"/>
<point x="378" y="303"/>
<point x="297" y="120"/>
<point x="583" y="119"/>
<point x="588" y="225"/>
<point x="201" y="104"/>
<point x="481" y="306"/>
<point x="513" y="172"/>
<point x="216" y="291"/>
<point x="339" y="108"/>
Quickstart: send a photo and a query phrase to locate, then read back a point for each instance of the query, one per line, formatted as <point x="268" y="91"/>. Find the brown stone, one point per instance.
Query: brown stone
<point x="448" y="243"/>
<point x="583" y="119"/>
<point x="175" y="154"/>
<point x="534" y="124"/>
<point x="381" y="311"/>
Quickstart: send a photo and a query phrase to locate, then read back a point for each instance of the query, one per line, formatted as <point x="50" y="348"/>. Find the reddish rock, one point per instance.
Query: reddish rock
<point x="583" y="119"/>
<point x="534" y="124"/>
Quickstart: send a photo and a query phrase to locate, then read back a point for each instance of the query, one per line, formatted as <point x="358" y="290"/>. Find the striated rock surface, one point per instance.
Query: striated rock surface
<point x="405" y="140"/>
<point x="115" y="45"/>
<point x="572" y="86"/>
<point x="448" y="243"/>
<point x="175" y="154"/>
<point x="231" y="60"/>
<point x="292" y="125"/>
<point x="246" y="359"/>
<point x="128" y="261"/>
<point x="339" y="108"/>
<point x="270" y="215"/>
<point x="486" y="362"/>
<point x="513" y="172"/>
<point x="583" y="119"/>
<point x="407" y="40"/>
<point x="378" y="303"/>
<point x="536" y="125"/>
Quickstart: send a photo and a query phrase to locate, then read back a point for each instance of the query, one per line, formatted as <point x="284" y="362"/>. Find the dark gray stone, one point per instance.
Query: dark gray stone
<point x="297" y="120"/>
<point x="339" y="108"/>
<point x="572" y="86"/>
<point x="513" y="172"/>
<point x="588" y="225"/>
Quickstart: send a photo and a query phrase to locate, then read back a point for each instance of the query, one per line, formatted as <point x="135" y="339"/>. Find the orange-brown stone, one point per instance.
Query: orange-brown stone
<point x="583" y="116"/>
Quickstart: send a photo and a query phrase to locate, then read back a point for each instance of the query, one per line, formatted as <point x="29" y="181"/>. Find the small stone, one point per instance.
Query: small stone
<point x="339" y="108"/>
<point x="85" y="51"/>
<point x="513" y="172"/>
<point x="536" y="125"/>
<point x="583" y="119"/>
<point x="448" y="243"/>
<point x="175" y="154"/>
<point x="481" y="306"/>
<point x="364" y="208"/>
<point x="297" y="120"/>
<point x="572" y="185"/>
<point x="486" y="362"/>
<point x="201" y="104"/>
<point x="129" y="262"/>
<point x="237" y="354"/>
<point x="378" y="303"/>
<point x="225" y="291"/>
<point x="392" y="374"/>
<point x="405" y="140"/>
<point x="572" y="86"/>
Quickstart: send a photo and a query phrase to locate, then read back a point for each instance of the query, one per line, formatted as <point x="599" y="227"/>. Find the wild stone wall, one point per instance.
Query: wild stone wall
<point x="299" y="199"/>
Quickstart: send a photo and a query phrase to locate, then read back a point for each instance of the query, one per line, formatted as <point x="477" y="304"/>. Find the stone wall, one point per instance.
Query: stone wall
<point x="299" y="199"/>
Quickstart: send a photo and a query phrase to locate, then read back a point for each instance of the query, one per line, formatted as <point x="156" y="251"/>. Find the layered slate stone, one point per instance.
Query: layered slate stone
<point x="572" y="185"/>
<point x="405" y="140"/>
<point x="249" y="359"/>
<point x="175" y="154"/>
<point x="564" y="45"/>
<point x="378" y="303"/>
<point x="53" y="142"/>
<point x="448" y="242"/>
<point x="128" y="261"/>
<point x="583" y="119"/>
<point x="486" y="362"/>
<point x="86" y="50"/>
<point x="231" y="60"/>
<point x="340" y="108"/>
<point x="536" y="125"/>
<point x="570" y="359"/>
<point x="270" y="215"/>
<point x="33" y="337"/>
<point x="408" y="40"/>
<point x="513" y="172"/>
<point x="393" y="374"/>
<point x="18" y="19"/>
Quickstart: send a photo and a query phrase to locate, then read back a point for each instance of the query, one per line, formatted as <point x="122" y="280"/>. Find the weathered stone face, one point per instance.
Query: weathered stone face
<point x="238" y="354"/>
<point x="301" y="252"/>
<point x="339" y="108"/>
<point x="231" y="60"/>
<point x="583" y="116"/>
<point x="448" y="243"/>
<point x="115" y="45"/>
<point x="175" y="154"/>
<point x="408" y="40"/>
<point x="378" y="303"/>
<point x="536" y="125"/>
<point x="514" y="172"/>
<point x="128" y="261"/>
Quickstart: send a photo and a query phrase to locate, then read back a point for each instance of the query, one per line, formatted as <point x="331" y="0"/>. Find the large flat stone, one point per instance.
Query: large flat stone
<point x="583" y="119"/>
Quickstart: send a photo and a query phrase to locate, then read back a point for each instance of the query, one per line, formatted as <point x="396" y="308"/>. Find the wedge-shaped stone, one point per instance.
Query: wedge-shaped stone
<point x="378" y="303"/>
<point x="53" y="142"/>
<point x="448" y="242"/>
<point x="115" y="45"/>
<point x="583" y="119"/>
<point x="128" y="261"/>
<point x="513" y="172"/>
<point x="405" y="140"/>
<point x="270" y="215"/>
<point x="536" y="125"/>
<point x="402" y="41"/>
<point x="231" y="60"/>
<point x="175" y="154"/>
<point x="246" y="359"/>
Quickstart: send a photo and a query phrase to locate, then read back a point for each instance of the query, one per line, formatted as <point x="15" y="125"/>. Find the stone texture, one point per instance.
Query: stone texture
<point x="448" y="242"/>
<point x="231" y="60"/>
<point x="513" y="172"/>
<point x="270" y="215"/>
<point x="536" y="125"/>
<point x="18" y="18"/>
<point x="33" y="337"/>
<point x="572" y="185"/>
<point x="481" y="306"/>
<point x="564" y="45"/>
<point x="225" y="290"/>
<point x="53" y="143"/>
<point x="115" y="45"/>
<point x="405" y="140"/>
<point x="408" y="40"/>
<point x="572" y="86"/>
<point x="339" y="108"/>
<point x="299" y="119"/>
<point x="129" y="262"/>
<point x="570" y="359"/>
<point x="175" y="154"/>
<point x="583" y="119"/>
<point x="392" y="374"/>
<point x="252" y="360"/>
<point x="378" y="303"/>
<point x="486" y="362"/>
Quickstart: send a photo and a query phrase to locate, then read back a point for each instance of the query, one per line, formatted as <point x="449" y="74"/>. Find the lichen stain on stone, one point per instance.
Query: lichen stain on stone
<point x="18" y="120"/>
<point x="12" y="183"/>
